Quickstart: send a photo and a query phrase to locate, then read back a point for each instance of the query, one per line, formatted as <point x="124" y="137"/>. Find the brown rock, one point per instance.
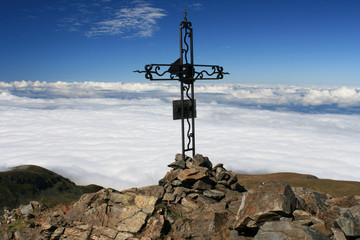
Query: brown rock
<point x="309" y="200"/>
<point x="133" y="224"/>
<point x="146" y="203"/>
<point x="301" y="215"/>
<point x="190" y="176"/>
<point x="338" y="234"/>
<point x="75" y="233"/>
<point x="177" y="165"/>
<point x="219" y="165"/>
<point x="237" y="187"/>
<point x="202" y="161"/>
<point x="322" y="228"/>
<point x="209" y="224"/>
<point x="349" y="221"/>
<point x="154" y="227"/>
<point x="156" y="191"/>
<point x="123" y="236"/>
<point x="99" y="232"/>
<point x="270" y="202"/>
<point x="170" y="176"/>
<point x="205" y="200"/>
<point x="180" y="230"/>
<point x="169" y="197"/>
<point x="125" y="212"/>
<point x="57" y="233"/>
<point x="287" y="230"/>
<point x="201" y="185"/>
<point x="214" y="194"/>
<point x="189" y="204"/>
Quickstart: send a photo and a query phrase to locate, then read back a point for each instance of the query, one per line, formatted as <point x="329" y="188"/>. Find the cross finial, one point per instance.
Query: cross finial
<point x="185" y="14"/>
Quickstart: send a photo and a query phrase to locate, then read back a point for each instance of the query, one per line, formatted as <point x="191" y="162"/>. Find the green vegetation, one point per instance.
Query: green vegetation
<point x="33" y="183"/>
<point x="17" y="225"/>
<point x="335" y="188"/>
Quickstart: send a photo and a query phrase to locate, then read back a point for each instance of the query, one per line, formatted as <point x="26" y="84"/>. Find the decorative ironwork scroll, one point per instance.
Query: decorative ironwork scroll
<point x="185" y="71"/>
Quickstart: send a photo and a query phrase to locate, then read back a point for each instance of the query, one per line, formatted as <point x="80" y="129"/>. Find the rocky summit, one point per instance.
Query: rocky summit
<point x="194" y="200"/>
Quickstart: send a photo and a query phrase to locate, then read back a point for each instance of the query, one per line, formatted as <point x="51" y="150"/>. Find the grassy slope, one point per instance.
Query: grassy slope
<point x="29" y="183"/>
<point x="333" y="187"/>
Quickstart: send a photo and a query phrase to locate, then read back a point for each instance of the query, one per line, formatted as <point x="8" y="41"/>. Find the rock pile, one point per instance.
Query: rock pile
<point x="197" y="178"/>
<point x="193" y="201"/>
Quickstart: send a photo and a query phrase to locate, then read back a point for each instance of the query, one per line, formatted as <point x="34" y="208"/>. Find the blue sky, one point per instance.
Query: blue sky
<point x="257" y="41"/>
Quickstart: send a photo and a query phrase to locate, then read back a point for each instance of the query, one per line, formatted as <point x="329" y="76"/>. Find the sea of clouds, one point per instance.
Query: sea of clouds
<point x="122" y="135"/>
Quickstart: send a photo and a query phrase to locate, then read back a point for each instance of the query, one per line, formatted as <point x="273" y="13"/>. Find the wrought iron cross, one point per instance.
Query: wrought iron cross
<point x="184" y="71"/>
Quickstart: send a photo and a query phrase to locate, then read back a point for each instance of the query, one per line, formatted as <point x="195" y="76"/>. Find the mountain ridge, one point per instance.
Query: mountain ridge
<point x="194" y="200"/>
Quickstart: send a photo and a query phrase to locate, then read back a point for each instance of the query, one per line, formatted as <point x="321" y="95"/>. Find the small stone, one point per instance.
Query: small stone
<point x="234" y="235"/>
<point x="219" y="173"/>
<point x="57" y="233"/>
<point x="146" y="203"/>
<point x="237" y="187"/>
<point x="26" y="210"/>
<point x="170" y="176"/>
<point x="189" y="204"/>
<point x="301" y="215"/>
<point x="338" y="234"/>
<point x="201" y="185"/>
<point x="190" y="176"/>
<point x="169" y="197"/>
<point x="154" y="227"/>
<point x="321" y="227"/>
<point x="178" y="157"/>
<point x="202" y="161"/>
<point x="123" y="236"/>
<point x="100" y="232"/>
<point x="214" y="194"/>
<point x="205" y="200"/>
<point x="177" y="165"/>
<point x="219" y="165"/>
<point x="176" y="183"/>
<point x="233" y="178"/>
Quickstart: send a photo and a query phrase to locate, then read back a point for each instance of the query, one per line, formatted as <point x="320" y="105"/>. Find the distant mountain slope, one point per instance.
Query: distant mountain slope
<point x="336" y="188"/>
<point x="32" y="183"/>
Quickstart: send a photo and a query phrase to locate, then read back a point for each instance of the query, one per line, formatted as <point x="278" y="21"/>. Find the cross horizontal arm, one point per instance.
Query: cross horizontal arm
<point x="216" y="74"/>
<point x="151" y="69"/>
<point x="181" y="72"/>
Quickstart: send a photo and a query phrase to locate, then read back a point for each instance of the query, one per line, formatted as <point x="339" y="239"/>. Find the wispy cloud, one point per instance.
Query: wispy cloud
<point x="196" y="6"/>
<point x="105" y="17"/>
<point x="138" y="21"/>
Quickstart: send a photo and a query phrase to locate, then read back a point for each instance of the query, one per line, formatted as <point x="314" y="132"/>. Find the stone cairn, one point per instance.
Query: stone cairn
<point x="196" y="177"/>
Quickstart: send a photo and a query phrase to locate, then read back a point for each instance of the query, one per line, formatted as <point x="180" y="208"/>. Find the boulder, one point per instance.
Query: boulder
<point x="126" y="212"/>
<point x="309" y="200"/>
<point x="154" y="227"/>
<point x="271" y="202"/>
<point x="349" y="221"/>
<point x="287" y="231"/>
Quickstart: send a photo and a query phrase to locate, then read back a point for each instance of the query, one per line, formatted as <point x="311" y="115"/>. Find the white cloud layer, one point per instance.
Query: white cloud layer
<point x="122" y="135"/>
<point x="341" y="99"/>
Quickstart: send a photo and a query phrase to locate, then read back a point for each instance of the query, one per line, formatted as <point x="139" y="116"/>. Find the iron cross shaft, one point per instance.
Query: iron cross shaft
<point x="185" y="71"/>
